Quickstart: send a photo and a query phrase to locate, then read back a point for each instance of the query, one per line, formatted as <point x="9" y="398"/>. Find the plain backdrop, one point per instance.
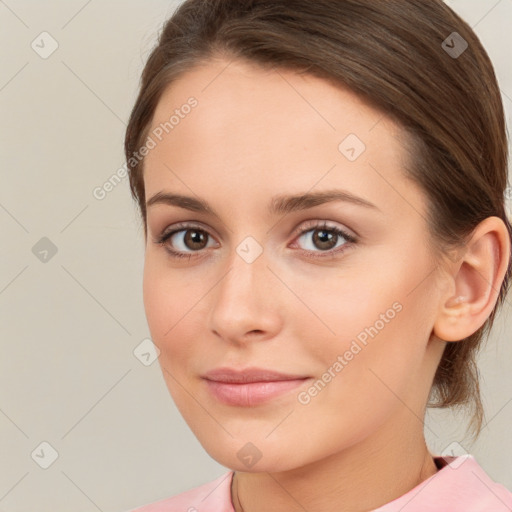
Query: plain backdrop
<point x="71" y="306"/>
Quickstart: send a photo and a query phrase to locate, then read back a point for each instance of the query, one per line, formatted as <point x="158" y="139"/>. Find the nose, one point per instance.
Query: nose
<point x="245" y="302"/>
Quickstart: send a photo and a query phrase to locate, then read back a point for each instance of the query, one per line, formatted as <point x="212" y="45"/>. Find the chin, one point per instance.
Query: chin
<point x="253" y="457"/>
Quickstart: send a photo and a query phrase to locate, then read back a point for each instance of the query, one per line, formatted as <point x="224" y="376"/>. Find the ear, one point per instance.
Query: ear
<point x="474" y="281"/>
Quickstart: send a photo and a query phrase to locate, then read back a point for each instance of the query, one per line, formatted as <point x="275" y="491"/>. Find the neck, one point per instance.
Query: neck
<point x="358" y="479"/>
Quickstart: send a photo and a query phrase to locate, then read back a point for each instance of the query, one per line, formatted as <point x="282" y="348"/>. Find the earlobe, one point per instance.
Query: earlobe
<point x="476" y="281"/>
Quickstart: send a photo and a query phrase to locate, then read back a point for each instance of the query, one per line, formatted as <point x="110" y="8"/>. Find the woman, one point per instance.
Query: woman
<point x="321" y="186"/>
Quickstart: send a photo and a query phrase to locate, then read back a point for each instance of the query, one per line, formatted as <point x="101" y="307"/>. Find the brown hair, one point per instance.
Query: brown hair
<point x="398" y="56"/>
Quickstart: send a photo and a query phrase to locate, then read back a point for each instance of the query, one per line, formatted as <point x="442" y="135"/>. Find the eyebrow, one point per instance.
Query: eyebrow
<point x="279" y="205"/>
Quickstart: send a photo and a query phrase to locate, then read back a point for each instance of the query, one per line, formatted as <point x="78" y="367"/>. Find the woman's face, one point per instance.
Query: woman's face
<point x="287" y="163"/>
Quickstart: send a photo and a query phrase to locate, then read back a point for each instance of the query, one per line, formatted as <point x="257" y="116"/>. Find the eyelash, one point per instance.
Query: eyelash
<point x="162" y="239"/>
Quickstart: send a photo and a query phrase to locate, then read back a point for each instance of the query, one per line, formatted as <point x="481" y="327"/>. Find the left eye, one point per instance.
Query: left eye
<point x="324" y="238"/>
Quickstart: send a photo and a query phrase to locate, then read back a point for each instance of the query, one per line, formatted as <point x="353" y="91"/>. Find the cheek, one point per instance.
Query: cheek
<point x="175" y="304"/>
<point x="353" y="305"/>
<point x="378" y="319"/>
<point x="165" y="304"/>
<point x="157" y="302"/>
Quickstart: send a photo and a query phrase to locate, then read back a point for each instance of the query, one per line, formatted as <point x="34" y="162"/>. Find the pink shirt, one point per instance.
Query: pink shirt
<point x="460" y="486"/>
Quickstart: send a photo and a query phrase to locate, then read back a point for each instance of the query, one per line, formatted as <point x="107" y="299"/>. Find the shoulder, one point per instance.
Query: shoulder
<point x="214" y="496"/>
<point x="481" y="492"/>
<point x="461" y="485"/>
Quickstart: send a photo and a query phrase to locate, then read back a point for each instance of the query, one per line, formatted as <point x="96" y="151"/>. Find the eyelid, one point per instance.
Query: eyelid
<point x="181" y="226"/>
<point x="309" y="225"/>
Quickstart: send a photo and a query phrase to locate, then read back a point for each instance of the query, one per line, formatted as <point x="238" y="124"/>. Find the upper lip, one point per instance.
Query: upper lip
<point x="252" y="374"/>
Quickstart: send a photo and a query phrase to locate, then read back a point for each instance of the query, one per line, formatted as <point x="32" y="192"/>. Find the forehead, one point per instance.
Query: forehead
<point x="271" y="130"/>
<point x="233" y="90"/>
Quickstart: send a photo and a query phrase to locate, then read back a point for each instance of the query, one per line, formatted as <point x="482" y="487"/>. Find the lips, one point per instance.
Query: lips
<point x="251" y="386"/>
<point x="230" y="375"/>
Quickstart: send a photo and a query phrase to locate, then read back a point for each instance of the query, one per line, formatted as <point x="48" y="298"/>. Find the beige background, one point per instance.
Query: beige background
<point x="70" y="324"/>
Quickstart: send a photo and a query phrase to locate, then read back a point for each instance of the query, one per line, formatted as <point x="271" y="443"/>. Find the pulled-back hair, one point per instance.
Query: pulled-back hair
<point x="401" y="57"/>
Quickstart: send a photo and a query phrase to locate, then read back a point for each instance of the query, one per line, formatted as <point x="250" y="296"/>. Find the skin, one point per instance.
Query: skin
<point x="256" y="134"/>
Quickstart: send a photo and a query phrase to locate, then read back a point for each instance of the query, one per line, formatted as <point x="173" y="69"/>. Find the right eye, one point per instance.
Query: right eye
<point x="184" y="242"/>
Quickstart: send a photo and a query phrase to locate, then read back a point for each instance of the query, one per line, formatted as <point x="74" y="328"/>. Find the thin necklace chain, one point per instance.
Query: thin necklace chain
<point x="242" y="508"/>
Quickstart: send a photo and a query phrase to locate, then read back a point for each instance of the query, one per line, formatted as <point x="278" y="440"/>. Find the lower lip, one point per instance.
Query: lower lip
<point x="250" y="394"/>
